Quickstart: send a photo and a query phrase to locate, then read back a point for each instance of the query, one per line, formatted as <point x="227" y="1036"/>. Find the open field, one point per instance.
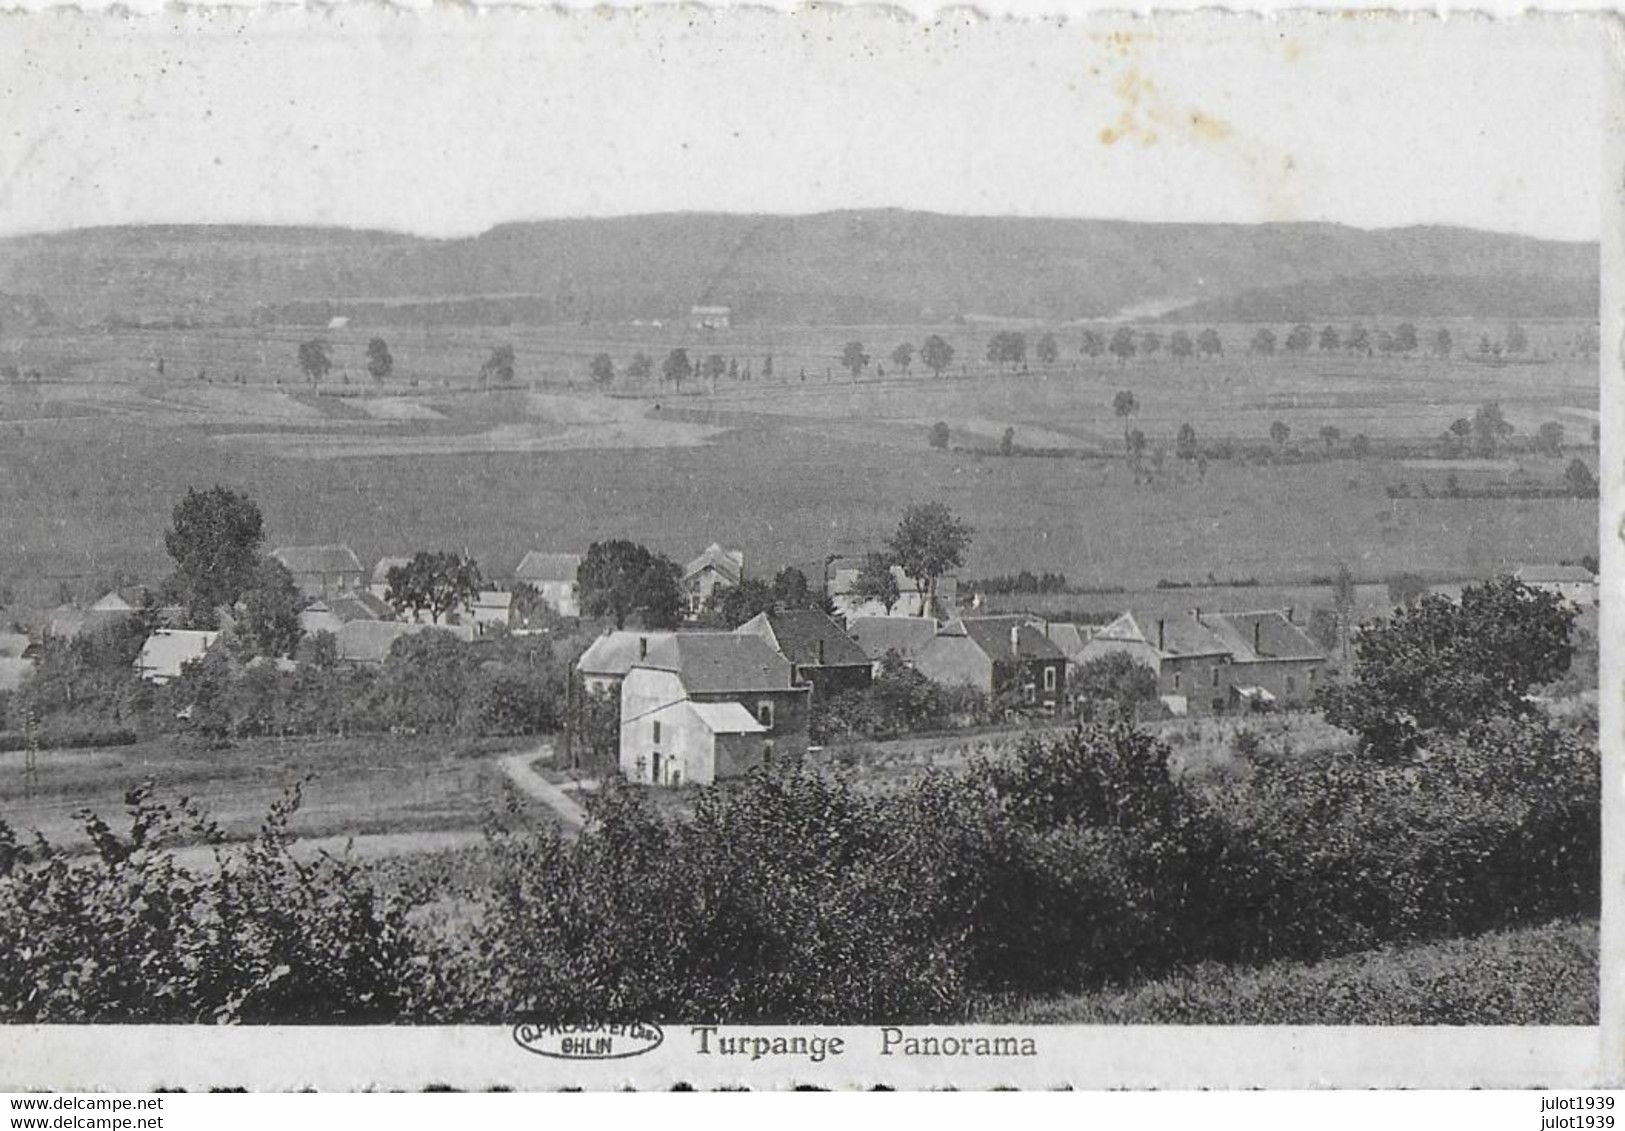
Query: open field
<point x="360" y="786"/>
<point x="90" y="464"/>
<point x="1543" y="975"/>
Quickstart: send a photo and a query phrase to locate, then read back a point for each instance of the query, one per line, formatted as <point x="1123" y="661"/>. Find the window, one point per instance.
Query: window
<point x="764" y="713"/>
<point x="1049" y="679"/>
<point x="1176" y="681"/>
<point x="1215" y="675"/>
<point x="657" y="732"/>
<point x="1031" y="692"/>
<point x="1291" y="685"/>
<point x="1311" y="677"/>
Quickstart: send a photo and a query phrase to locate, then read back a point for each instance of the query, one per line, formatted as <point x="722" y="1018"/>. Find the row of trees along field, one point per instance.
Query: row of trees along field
<point x="1458" y="806"/>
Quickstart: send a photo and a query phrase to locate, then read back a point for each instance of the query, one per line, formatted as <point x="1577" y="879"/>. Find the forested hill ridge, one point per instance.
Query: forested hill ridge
<point x="852" y="267"/>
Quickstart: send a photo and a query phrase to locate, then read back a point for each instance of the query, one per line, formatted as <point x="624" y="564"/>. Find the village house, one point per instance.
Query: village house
<point x="16" y="660"/>
<point x="881" y="636"/>
<point x="1000" y="656"/>
<point x="910" y="600"/>
<point x="1574" y="584"/>
<point x="607" y="659"/>
<point x="369" y="641"/>
<point x="1211" y="663"/>
<point x="556" y="577"/>
<point x="821" y="655"/>
<point x="492" y="609"/>
<point x="1069" y="638"/>
<point x="702" y="706"/>
<point x="714" y="569"/>
<point x="322" y="572"/>
<point x="332" y="615"/>
<point x="167" y="650"/>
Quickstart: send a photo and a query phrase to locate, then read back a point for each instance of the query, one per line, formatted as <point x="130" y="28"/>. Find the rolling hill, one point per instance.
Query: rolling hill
<point x="843" y="267"/>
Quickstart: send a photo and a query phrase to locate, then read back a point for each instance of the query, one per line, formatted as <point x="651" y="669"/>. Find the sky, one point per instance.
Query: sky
<point x="449" y="120"/>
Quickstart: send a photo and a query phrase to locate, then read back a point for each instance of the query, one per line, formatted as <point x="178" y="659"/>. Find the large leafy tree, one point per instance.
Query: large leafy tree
<point x="876" y="581"/>
<point x="854" y="359"/>
<point x="1007" y="347"/>
<point x="315" y="360"/>
<point x="215" y="539"/>
<point x="380" y="363"/>
<point x="619" y="578"/>
<point x="269" y="625"/>
<point x="937" y="354"/>
<point x="929" y="542"/>
<point x="1438" y="666"/>
<point x="677" y="368"/>
<point x="433" y="582"/>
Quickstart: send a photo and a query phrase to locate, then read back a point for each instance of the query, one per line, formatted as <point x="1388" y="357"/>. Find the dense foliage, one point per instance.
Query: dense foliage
<point x="1078" y="862"/>
<point x="898" y="701"/>
<point x="1446" y="666"/>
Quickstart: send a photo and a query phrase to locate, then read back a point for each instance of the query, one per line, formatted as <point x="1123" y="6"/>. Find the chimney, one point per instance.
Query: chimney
<point x="1015" y="640"/>
<point x="1258" y="636"/>
<point x="1160" y="623"/>
<point x="820" y="653"/>
<point x="643" y="647"/>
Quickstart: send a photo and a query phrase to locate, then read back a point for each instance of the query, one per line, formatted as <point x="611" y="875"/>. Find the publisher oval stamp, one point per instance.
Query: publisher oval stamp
<point x="589" y="1042"/>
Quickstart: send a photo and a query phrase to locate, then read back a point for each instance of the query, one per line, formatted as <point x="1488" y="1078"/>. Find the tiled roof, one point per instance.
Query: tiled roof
<point x="799" y="633"/>
<point x="992" y="635"/>
<point x="614" y="653"/>
<point x="318" y="559"/>
<point x="1552" y="574"/>
<point x="1069" y="638"/>
<point x="369" y="641"/>
<point x="359" y="605"/>
<point x="727" y="718"/>
<point x="538" y="566"/>
<point x="903" y="635"/>
<point x="729" y="563"/>
<point x="720" y="662"/>
<point x="380" y="572"/>
<point x="1181" y="634"/>
<point x="1265" y="635"/>
<point x="168" y="648"/>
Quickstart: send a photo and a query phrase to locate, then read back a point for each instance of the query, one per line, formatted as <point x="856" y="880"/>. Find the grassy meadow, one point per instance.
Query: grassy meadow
<point x="94" y="455"/>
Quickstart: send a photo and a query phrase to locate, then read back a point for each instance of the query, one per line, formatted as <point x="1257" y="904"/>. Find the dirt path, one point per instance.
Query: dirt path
<point x="518" y="768"/>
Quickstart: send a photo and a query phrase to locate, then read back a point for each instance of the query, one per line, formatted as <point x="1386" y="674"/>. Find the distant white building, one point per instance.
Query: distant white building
<point x="556" y="577"/>
<point x="1575" y="584"/>
<point x="167" y="650"/>
<point x="710" y="317"/>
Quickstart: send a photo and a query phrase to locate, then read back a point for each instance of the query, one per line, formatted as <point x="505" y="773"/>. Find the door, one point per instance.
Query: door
<point x="655" y="776"/>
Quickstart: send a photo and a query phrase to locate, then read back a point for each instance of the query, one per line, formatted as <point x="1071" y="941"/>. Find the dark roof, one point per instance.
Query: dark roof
<point x="318" y="559"/>
<point x="720" y="662"/>
<point x="799" y="633"/>
<point x="730" y="564"/>
<point x="1266" y="635"/>
<point x="540" y="566"/>
<point x="1182" y="634"/>
<point x="992" y="635"/>
<point x="903" y="635"/>
<point x="360" y="605"/>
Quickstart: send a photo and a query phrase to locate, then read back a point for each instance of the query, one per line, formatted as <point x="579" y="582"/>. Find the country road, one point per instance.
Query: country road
<point x="518" y="768"/>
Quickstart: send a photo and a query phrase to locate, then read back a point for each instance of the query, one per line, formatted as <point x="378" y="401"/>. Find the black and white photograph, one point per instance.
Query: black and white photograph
<point x="822" y="546"/>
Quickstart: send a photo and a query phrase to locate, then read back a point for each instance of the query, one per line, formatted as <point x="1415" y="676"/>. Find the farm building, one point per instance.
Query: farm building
<point x="167" y="650"/>
<point x="492" y="608"/>
<point x="1574" y="584"/>
<point x="369" y="641"/>
<point x="714" y="569"/>
<point x="322" y="572"/>
<point x="334" y="614"/>
<point x="1210" y="663"/>
<point x="708" y="705"/>
<point x="556" y="577"/>
<point x="607" y="659"/>
<point x="1006" y="656"/>
<point x="710" y="317"/>
<point x="881" y="636"/>
<point x="910" y="600"/>
<point x="821" y="655"/>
